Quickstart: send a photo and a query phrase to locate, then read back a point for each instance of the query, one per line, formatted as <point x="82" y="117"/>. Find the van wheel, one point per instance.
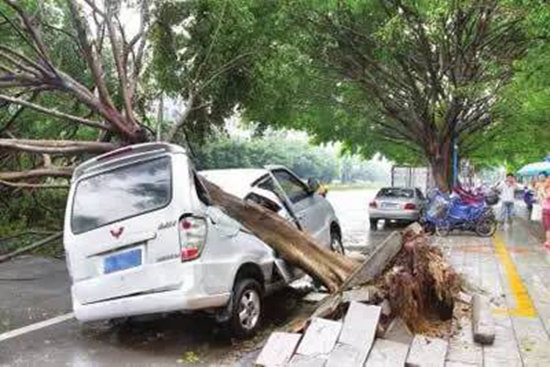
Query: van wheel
<point x="336" y="242"/>
<point x="247" y="308"/>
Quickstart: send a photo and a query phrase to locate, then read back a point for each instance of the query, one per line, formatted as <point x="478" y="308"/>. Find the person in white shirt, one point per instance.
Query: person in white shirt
<point x="507" y="190"/>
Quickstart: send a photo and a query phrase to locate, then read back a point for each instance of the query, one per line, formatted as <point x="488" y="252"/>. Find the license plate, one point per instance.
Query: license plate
<point x="389" y="205"/>
<point x="122" y="261"/>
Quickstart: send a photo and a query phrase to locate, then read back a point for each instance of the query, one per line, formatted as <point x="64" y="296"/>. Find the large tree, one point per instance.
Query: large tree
<point x="104" y="93"/>
<point x="521" y="131"/>
<point x="406" y="78"/>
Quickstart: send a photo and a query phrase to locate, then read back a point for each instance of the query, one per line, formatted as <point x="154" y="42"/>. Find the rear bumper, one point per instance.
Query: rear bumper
<point x="411" y="215"/>
<point x="167" y="301"/>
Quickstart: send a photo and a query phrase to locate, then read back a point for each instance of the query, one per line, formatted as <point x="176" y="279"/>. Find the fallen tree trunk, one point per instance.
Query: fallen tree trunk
<point x="295" y="246"/>
<point x="31" y="247"/>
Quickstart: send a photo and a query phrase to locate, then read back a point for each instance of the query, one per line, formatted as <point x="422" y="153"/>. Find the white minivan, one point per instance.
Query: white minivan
<point x="141" y="237"/>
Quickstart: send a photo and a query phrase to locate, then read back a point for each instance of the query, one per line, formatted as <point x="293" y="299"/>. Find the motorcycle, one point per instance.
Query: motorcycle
<point x="445" y="213"/>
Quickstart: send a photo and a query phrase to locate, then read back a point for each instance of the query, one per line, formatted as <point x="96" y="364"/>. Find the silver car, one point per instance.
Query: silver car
<point x="142" y="237"/>
<point x="396" y="204"/>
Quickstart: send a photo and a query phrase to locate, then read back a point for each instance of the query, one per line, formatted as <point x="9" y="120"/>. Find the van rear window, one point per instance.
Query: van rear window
<point x="121" y="193"/>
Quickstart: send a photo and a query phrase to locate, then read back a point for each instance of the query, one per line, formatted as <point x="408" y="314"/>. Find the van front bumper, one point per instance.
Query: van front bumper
<point x="159" y="302"/>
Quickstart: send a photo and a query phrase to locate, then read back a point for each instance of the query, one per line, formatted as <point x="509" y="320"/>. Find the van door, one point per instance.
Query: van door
<point x="121" y="228"/>
<point x="308" y="207"/>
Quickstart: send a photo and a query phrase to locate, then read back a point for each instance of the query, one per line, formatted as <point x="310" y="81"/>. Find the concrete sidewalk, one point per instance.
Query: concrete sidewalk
<point x="513" y="269"/>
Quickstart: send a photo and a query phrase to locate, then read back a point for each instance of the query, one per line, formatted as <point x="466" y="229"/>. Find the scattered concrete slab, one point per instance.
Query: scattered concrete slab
<point x="363" y="294"/>
<point x="399" y="332"/>
<point x="347" y="355"/>
<point x="427" y="352"/>
<point x="360" y="325"/>
<point x="306" y="361"/>
<point x="483" y="324"/>
<point x="387" y="353"/>
<point x="376" y="261"/>
<point x="320" y="337"/>
<point x="279" y="349"/>
<point x="315" y="297"/>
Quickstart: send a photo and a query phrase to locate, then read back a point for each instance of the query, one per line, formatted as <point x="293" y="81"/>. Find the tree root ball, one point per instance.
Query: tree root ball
<point x="421" y="285"/>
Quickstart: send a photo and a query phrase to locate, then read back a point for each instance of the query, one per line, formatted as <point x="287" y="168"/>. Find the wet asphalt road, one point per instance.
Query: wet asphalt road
<point x="33" y="289"/>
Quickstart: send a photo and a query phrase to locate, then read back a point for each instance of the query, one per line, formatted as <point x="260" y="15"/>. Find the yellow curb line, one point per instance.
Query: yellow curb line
<point x="524" y="304"/>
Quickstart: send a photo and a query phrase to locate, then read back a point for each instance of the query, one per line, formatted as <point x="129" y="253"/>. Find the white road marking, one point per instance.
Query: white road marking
<point x="33" y="327"/>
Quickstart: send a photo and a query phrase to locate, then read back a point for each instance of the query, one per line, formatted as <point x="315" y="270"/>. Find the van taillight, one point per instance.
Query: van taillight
<point x="192" y="232"/>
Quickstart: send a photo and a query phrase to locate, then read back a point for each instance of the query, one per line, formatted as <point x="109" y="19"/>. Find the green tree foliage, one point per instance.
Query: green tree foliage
<point x="403" y="78"/>
<point x="521" y="131"/>
<point x="203" y="52"/>
<point x="304" y="159"/>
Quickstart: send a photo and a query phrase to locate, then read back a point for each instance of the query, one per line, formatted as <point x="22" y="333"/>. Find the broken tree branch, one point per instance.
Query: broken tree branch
<point x="31" y="247"/>
<point x="24" y="185"/>
<point x="55" y="113"/>
<point x="37" y="173"/>
<point x="56" y="146"/>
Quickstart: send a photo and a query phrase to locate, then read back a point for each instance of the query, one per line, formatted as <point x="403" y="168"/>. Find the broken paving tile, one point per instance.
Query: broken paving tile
<point x="387" y="353"/>
<point x="279" y="349"/>
<point x="360" y="325"/>
<point x="483" y="324"/>
<point x="363" y="294"/>
<point x="315" y="297"/>
<point x="427" y="352"/>
<point x="307" y="361"/>
<point x="320" y="337"/>
<point x="398" y="331"/>
<point x="347" y="355"/>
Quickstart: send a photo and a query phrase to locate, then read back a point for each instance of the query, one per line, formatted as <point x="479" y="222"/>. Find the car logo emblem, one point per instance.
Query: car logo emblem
<point x="117" y="232"/>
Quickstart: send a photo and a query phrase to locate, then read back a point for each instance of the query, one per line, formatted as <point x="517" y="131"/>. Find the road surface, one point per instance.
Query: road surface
<point x="34" y="290"/>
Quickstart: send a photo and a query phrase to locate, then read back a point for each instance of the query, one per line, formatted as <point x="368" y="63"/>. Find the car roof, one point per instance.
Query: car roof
<point x="236" y="181"/>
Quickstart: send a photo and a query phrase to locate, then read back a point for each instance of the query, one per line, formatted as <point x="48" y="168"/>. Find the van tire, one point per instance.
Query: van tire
<point x="246" y="308"/>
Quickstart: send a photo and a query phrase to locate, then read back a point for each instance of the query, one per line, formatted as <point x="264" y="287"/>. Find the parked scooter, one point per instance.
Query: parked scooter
<point x="445" y="213"/>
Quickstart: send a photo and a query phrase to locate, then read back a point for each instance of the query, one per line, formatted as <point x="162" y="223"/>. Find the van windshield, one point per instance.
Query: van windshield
<point x="121" y="193"/>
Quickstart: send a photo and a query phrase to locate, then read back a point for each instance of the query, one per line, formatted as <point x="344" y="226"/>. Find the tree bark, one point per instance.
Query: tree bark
<point x="331" y="268"/>
<point x="440" y="160"/>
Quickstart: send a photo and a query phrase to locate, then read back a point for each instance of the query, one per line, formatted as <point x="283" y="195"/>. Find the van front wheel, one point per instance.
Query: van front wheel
<point x="247" y="308"/>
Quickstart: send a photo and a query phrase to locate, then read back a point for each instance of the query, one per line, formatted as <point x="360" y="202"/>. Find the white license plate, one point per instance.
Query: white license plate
<point x="390" y="206"/>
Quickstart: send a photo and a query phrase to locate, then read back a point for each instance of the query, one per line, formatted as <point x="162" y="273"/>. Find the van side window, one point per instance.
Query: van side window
<point x="201" y="190"/>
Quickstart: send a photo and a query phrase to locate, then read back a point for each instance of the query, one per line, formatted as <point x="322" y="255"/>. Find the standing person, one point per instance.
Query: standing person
<point x="546" y="213"/>
<point x="507" y="196"/>
<point x="529" y="198"/>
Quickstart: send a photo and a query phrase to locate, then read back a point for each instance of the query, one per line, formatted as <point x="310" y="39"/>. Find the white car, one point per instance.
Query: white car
<point x="141" y="237"/>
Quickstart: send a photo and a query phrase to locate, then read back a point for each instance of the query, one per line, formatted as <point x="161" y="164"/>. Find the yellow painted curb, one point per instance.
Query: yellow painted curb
<point x="524" y="304"/>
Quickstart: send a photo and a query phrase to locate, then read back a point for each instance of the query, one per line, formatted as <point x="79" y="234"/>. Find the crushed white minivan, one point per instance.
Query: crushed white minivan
<point x="141" y="237"/>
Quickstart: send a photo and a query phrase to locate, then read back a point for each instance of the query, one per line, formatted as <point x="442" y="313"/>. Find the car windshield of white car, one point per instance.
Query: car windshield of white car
<point x="393" y="192"/>
<point x="121" y="193"/>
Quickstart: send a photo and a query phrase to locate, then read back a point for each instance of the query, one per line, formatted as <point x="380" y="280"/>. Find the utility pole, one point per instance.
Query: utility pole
<point x="455" y="160"/>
